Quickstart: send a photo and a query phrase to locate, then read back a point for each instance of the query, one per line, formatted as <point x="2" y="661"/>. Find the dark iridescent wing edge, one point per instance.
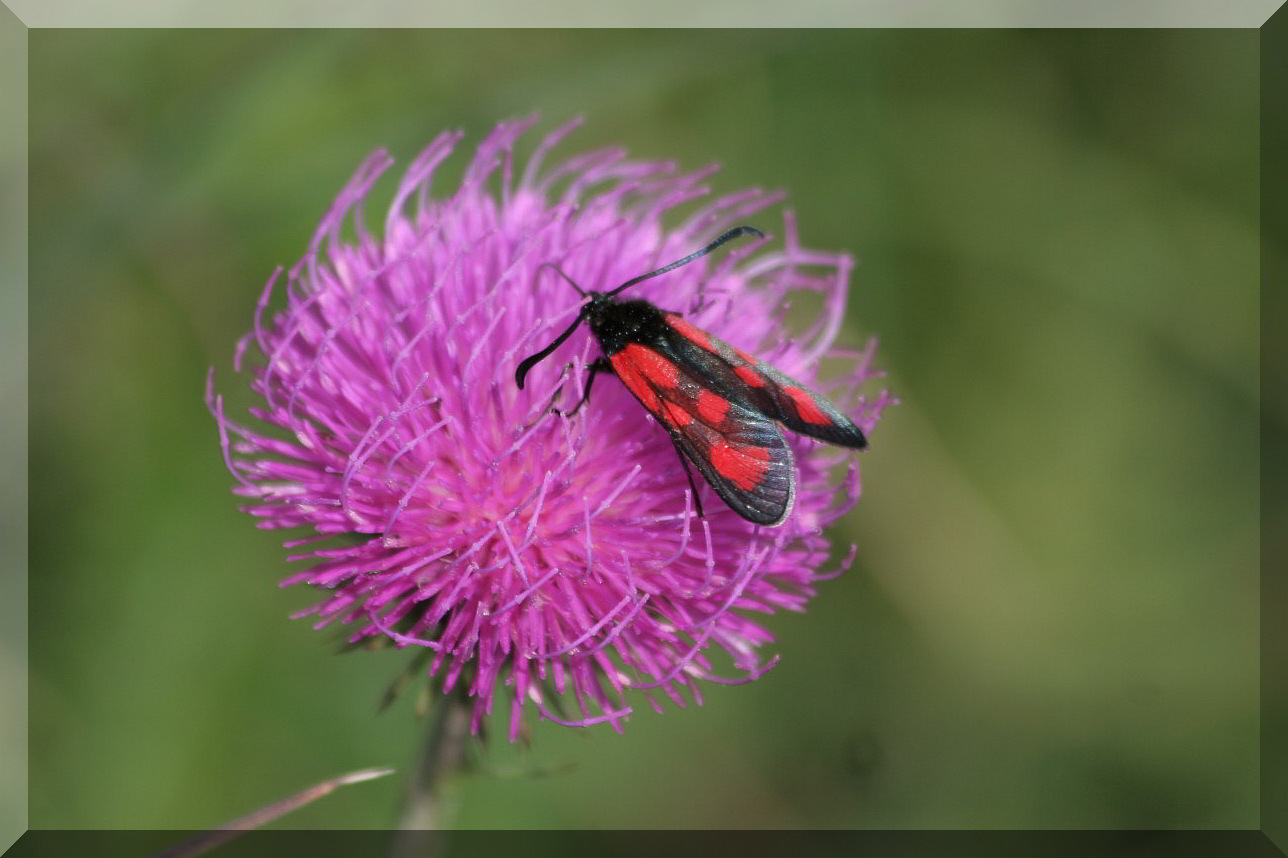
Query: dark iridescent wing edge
<point x="771" y="501"/>
<point x="841" y="429"/>
<point x="721" y="362"/>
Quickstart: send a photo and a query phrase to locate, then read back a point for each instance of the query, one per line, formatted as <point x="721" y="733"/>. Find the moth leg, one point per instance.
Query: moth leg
<point x="559" y="389"/>
<point x="600" y="364"/>
<point x="684" y="463"/>
<point x="701" y="302"/>
<point x="550" y="406"/>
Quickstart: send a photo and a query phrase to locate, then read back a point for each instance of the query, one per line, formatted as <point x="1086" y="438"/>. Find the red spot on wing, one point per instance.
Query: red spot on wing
<point x="745" y="467"/>
<point x="630" y="375"/>
<point x="806" y="407"/>
<point x="657" y="370"/>
<point x="695" y="335"/>
<point x="676" y="414"/>
<point x="749" y="375"/>
<point x="712" y="407"/>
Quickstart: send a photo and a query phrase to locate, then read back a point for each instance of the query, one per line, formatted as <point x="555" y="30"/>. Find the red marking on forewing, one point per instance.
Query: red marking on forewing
<point x="629" y="373"/>
<point x="750" y="376"/>
<point x="657" y="370"/>
<point x="695" y="335"/>
<point x="806" y="407"/>
<point x="745" y="467"/>
<point x="676" y="414"/>
<point x="712" y="407"/>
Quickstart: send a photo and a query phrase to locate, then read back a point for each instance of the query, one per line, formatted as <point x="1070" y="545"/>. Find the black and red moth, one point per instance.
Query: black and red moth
<point x="720" y="405"/>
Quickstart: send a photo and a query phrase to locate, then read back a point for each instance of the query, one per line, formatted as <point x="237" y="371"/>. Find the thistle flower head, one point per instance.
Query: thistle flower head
<point x="445" y="508"/>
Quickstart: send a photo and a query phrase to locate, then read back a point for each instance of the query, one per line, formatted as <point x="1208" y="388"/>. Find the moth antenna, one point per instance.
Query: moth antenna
<point x="736" y="232"/>
<point x="573" y="283"/>
<point x="531" y="361"/>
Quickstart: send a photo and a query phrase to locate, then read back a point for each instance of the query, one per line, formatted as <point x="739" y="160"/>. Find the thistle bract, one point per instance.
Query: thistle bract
<point x="555" y="562"/>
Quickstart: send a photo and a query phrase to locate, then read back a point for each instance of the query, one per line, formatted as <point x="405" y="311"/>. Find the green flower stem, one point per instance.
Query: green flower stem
<point x="430" y="804"/>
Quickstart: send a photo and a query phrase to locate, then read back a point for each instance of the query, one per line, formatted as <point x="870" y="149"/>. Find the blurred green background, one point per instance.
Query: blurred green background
<point x="1053" y="619"/>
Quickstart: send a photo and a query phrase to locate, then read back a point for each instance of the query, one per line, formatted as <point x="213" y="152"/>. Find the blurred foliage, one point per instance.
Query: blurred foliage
<point x="1053" y="619"/>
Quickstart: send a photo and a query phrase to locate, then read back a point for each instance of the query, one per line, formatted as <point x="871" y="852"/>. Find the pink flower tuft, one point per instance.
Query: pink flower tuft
<point x="561" y="557"/>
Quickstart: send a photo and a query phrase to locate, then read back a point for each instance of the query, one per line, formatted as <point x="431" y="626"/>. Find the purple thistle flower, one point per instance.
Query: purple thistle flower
<point x="559" y="556"/>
